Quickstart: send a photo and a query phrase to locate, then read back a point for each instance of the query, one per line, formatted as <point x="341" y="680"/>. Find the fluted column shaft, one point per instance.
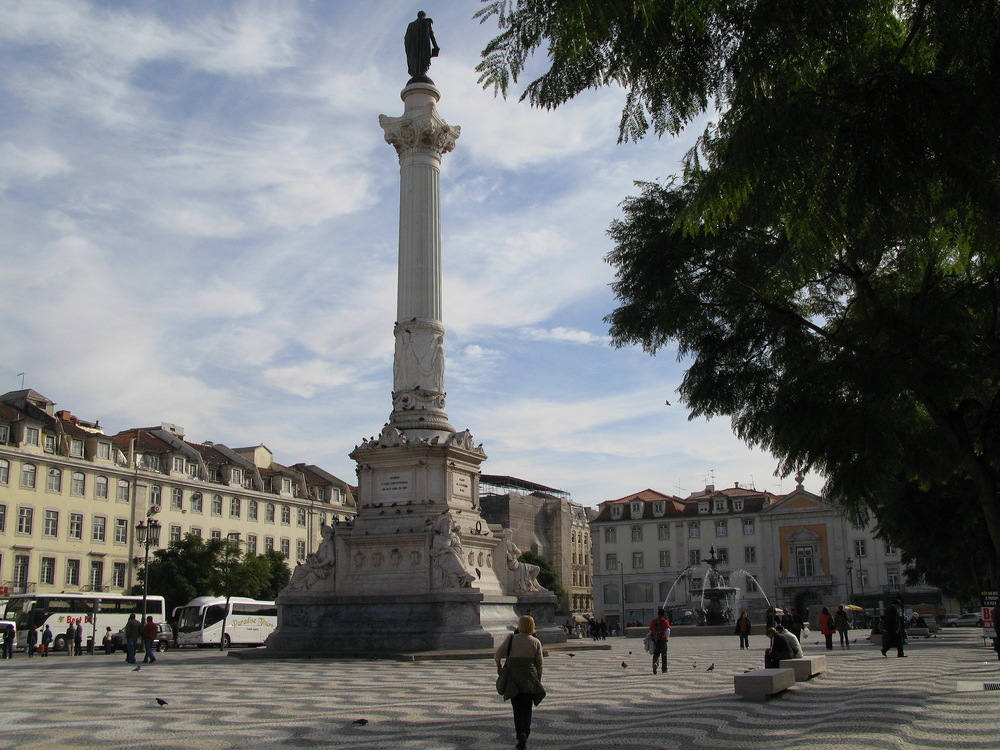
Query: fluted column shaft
<point x="420" y="138"/>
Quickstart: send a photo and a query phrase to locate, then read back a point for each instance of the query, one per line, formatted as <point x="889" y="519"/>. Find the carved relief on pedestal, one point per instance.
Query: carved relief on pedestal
<point x="359" y="560"/>
<point x="377" y="559"/>
<point x="415" y="557"/>
<point x="419" y="359"/>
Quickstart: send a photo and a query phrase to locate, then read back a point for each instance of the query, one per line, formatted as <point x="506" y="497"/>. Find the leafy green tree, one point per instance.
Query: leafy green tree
<point x="828" y="258"/>
<point x="547" y="576"/>
<point x="194" y="567"/>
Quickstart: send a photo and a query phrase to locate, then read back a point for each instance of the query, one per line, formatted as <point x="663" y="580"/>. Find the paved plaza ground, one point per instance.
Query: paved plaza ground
<point x="215" y="702"/>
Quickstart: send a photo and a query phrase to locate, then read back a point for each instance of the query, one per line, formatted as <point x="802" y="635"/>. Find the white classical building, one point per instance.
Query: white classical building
<point x="795" y="551"/>
<point x="70" y="497"/>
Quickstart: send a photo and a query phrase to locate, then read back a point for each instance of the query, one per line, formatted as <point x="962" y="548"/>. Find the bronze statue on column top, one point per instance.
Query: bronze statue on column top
<point x="420" y="46"/>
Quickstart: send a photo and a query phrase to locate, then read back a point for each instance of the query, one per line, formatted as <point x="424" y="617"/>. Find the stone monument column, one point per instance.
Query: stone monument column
<point x="418" y="568"/>
<point x="421" y="137"/>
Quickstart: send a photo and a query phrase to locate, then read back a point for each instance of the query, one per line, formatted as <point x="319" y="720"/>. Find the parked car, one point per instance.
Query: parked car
<point x="164" y="639"/>
<point x="969" y="620"/>
<point x="949" y="621"/>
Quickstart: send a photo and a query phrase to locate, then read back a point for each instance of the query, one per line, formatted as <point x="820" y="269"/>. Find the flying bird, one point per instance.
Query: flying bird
<point x="360" y="722"/>
<point x="711" y="667"/>
<point x="161" y="701"/>
<point x="666" y="403"/>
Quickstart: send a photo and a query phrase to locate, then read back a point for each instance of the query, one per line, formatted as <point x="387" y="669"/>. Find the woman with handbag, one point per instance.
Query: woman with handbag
<point x="520" y="676"/>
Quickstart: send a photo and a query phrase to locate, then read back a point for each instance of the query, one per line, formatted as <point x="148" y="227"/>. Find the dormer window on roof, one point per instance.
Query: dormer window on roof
<point x="720" y="505"/>
<point x="637" y="509"/>
<point x="659" y="508"/>
<point x="616" y="511"/>
<point x="737" y="505"/>
<point x="703" y="506"/>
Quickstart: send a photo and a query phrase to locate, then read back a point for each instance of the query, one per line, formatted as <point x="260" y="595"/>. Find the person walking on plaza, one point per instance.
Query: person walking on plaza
<point x="46" y="641"/>
<point x="31" y="642"/>
<point x="743" y="631"/>
<point x="149" y="633"/>
<point x="133" y="631"/>
<point x="70" y="637"/>
<point x="108" y="642"/>
<point x="842" y="624"/>
<point x="659" y="630"/>
<point x="827" y="628"/>
<point x="79" y="636"/>
<point x="523" y="684"/>
<point x="892" y="628"/>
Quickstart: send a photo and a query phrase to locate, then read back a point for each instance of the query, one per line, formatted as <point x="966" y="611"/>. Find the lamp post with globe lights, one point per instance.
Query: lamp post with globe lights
<point x="148" y="532"/>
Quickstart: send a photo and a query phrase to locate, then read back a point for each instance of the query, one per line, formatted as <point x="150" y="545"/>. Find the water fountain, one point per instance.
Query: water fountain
<point x="748" y="576"/>
<point x="717" y="595"/>
<point x="673" y="585"/>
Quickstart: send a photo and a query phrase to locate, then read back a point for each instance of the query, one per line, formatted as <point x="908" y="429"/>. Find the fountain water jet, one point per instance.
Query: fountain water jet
<point x="717" y="592"/>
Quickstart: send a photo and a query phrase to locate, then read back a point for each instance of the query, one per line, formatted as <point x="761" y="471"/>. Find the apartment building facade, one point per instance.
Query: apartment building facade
<point x="71" y="497"/>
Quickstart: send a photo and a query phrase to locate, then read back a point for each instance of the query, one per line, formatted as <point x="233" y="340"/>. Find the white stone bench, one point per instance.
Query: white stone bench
<point x="805" y="666"/>
<point x="760" y="683"/>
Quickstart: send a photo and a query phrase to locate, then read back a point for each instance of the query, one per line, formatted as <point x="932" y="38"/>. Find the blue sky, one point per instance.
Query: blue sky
<point x="198" y="222"/>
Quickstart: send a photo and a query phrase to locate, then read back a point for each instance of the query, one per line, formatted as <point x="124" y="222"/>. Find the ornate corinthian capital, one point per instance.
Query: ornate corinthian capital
<point x="420" y="131"/>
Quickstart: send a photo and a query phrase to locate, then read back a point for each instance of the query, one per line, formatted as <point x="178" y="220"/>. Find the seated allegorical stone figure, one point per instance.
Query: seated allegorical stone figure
<point x="446" y="555"/>
<point x="524" y="576"/>
<point x="318" y="567"/>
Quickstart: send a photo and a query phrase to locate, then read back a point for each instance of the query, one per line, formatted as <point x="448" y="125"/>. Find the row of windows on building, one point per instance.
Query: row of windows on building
<point x="637" y="507"/>
<point x="25" y="525"/>
<point x="196" y="504"/>
<point x="47" y="573"/>
<point x="33" y="438"/>
<point x="54" y="481"/>
<point x="50" y="525"/>
<point x="693" y="530"/>
<point x="694" y="558"/>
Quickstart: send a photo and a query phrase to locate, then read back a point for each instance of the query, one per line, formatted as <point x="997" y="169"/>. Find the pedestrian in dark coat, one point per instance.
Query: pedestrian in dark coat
<point x="893" y="629"/>
<point x="32" y="641"/>
<point x="842" y="624"/>
<point x="46" y="641"/>
<point x="524" y="682"/>
<point x="71" y="638"/>
<point x="79" y="636"/>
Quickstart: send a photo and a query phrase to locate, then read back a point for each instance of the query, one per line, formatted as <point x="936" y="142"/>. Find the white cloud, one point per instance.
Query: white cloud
<point x="32" y="164"/>
<point x="564" y="335"/>
<point x="307" y="378"/>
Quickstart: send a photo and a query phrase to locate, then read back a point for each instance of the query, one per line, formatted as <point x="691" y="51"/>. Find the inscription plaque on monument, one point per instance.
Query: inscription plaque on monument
<point x="395" y="484"/>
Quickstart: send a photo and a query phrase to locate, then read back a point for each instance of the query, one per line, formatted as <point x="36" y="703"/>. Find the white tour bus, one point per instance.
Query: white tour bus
<point x="96" y="611"/>
<point x="248" y="622"/>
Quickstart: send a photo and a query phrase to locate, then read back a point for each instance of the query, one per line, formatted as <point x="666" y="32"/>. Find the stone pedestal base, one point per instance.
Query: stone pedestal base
<point x="351" y="624"/>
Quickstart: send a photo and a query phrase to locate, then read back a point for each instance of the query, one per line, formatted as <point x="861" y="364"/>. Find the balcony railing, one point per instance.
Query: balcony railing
<point x="790" y="581"/>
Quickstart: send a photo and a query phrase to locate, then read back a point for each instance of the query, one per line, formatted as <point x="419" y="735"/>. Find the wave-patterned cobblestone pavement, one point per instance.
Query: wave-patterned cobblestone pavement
<point x="217" y="703"/>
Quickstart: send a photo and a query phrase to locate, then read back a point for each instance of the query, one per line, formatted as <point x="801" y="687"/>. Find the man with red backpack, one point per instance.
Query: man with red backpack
<point x="659" y="631"/>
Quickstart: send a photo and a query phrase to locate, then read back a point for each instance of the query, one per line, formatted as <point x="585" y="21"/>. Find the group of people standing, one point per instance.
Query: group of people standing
<point x="835" y="623"/>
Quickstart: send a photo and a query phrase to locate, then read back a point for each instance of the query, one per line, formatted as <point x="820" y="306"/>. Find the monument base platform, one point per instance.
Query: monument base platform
<point x="436" y="621"/>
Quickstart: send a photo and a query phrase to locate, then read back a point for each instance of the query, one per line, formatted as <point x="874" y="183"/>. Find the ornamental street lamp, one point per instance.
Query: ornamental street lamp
<point x="149" y="536"/>
<point x="849" y="563"/>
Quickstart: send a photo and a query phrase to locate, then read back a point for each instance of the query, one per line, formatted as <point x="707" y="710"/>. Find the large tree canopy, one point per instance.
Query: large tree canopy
<point x="193" y="566"/>
<point x="829" y="256"/>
